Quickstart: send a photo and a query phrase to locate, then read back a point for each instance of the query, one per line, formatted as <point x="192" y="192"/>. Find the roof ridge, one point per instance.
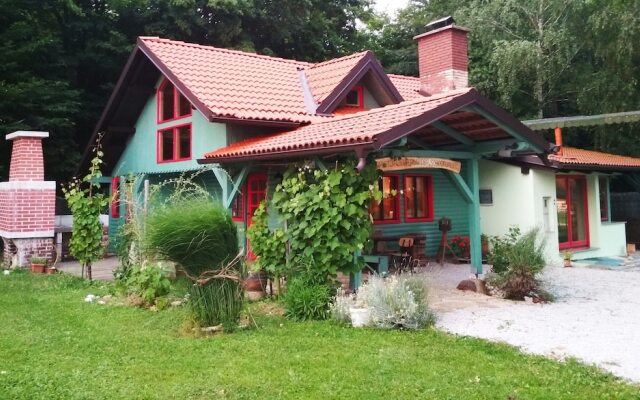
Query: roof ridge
<point x="225" y="50"/>
<point x="338" y="59"/>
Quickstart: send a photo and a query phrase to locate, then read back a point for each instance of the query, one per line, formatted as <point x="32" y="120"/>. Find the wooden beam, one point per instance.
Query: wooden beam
<point x="482" y="147"/>
<point x="462" y="155"/>
<point x="418" y="142"/>
<point x="237" y="182"/>
<point x="504" y="126"/>
<point x="452" y="133"/>
<point x="461" y="185"/>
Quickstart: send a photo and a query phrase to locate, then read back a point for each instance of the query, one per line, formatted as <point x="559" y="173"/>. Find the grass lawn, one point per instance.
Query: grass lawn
<point x="53" y="345"/>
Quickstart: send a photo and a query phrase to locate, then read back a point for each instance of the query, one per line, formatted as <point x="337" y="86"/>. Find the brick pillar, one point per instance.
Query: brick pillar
<point x="27" y="202"/>
<point x="442" y="57"/>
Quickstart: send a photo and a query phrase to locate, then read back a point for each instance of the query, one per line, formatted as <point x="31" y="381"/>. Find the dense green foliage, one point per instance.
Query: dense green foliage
<point x="86" y="203"/>
<point x="306" y="300"/>
<point x="327" y="215"/>
<point x="148" y="282"/>
<point x="269" y="244"/>
<point x="49" y="338"/>
<point x="501" y="246"/>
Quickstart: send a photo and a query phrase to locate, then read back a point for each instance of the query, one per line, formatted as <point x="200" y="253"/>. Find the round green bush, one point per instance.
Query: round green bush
<point x="199" y="235"/>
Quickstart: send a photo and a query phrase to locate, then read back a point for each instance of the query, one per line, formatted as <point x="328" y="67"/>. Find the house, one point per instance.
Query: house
<point x="241" y="118"/>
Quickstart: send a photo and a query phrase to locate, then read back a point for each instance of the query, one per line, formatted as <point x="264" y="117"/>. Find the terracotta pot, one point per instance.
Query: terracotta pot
<point x="567" y="263"/>
<point x="485" y="248"/>
<point x="466" y="253"/>
<point x="631" y="248"/>
<point x="51" y="270"/>
<point x="38" y="268"/>
<point x="256" y="282"/>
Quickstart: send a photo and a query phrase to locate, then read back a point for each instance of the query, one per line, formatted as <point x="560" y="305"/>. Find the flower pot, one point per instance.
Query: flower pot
<point x="38" y="268"/>
<point x="256" y="282"/>
<point x="631" y="248"/>
<point x="485" y="248"/>
<point x="51" y="270"/>
<point x="466" y="253"/>
<point x="567" y="263"/>
<point x="360" y="317"/>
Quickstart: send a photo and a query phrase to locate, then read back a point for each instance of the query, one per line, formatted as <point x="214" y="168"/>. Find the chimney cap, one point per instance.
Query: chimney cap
<point x="440" y="23"/>
<point x="29" y="134"/>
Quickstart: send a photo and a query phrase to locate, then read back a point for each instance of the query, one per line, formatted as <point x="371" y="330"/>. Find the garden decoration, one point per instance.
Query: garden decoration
<point x="444" y="225"/>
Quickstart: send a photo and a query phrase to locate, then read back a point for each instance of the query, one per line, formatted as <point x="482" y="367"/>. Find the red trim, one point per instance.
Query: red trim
<point x="176" y="103"/>
<point x="571" y="244"/>
<point x="176" y="143"/>
<point x="428" y="199"/>
<point x="115" y="197"/>
<point x="396" y="203"/>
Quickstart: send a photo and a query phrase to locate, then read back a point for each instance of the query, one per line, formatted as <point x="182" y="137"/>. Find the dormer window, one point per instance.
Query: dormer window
<point x="171" y="103"/>
<point x="353" y="101"/>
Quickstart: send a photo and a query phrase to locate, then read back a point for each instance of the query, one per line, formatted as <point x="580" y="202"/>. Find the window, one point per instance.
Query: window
<point x="174" y="144"/>
<point x="486" y="197"/>
<point x="418" y="198"/>
<point x="388" y="210"/>
<point x="353" y="102"/>
<point x="171" y="103"/>
<point x="237" y="207"/>
<point x="603" y="183"/>
<point x="115" y="197"/>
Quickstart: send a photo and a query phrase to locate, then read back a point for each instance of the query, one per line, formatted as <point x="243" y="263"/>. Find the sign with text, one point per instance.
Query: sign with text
<point x="397" y="164"/>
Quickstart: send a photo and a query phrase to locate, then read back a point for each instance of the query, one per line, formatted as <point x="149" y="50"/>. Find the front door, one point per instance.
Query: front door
<point x="256" y="192"/>
<point x="573" y="217"/>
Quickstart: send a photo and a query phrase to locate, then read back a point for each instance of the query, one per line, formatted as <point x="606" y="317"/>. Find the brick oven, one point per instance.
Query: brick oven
<point x="27" y="202"/>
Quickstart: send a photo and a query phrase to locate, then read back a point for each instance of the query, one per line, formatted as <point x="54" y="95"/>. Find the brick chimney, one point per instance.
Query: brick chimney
<point x="27" y="202"/>
<point x="442" y="57"/>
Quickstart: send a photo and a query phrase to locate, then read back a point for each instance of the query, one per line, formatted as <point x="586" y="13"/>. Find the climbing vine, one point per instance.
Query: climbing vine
<point x="86" y="203"/>
<point x="325" y="217"/>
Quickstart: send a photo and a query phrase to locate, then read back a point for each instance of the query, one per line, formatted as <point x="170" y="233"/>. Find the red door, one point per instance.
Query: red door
<point x="256" y="192"/>
<point x="573" y="215"/>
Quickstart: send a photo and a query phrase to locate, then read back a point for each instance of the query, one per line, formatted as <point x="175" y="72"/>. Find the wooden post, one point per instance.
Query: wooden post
<point x="474" y="217"/>
<point x="355" y="278"/>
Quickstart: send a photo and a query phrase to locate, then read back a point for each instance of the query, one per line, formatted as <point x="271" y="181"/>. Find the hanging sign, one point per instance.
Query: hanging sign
<point x="397" y="164"/>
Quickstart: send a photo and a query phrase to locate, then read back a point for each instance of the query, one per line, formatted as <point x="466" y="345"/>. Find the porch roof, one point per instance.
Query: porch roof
<point x="461" y="117"/>
<point x="572" y="158"/>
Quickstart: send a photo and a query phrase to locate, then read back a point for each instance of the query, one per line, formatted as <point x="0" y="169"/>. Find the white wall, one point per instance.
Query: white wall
<point x="518" y="200"/>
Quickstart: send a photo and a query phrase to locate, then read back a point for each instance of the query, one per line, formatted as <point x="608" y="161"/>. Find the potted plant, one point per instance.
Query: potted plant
<point x="567" y="258"/>
<point x="256" y="284"/>
<point x="38" y="264"/>
<point x="52" y="270"/>
<point x="461" y="245"/>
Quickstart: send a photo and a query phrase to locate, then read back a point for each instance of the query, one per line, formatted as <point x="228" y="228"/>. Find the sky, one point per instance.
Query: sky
<point x="390" y="6"/>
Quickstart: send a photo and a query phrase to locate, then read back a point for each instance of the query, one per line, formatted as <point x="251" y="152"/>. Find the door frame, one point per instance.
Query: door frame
<point x="571" y="244"/>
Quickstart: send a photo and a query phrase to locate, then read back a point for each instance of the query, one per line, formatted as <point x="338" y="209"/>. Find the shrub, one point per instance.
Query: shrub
<point x="500" y="248"/>
<point x="522" y="259"/>
<point x="305" y="300"/>
<point x="197" y="234"/>
<point x="201" y="238"/>
<point x="339" y="307"/>
<point x="396" y="302"/>
<point x="149" y="282"/>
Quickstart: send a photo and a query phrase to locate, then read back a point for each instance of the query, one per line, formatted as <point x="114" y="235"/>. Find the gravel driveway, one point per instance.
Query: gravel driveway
<point x="596" y="317"/>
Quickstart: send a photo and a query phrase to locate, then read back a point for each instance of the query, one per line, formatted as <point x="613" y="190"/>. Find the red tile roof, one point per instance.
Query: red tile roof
<point x="325" y="76"/>
<point x="408" y="86"/>
<point x="353" y="129"/>
<point x="579" y="157"/>
<point x="236" y="84"/>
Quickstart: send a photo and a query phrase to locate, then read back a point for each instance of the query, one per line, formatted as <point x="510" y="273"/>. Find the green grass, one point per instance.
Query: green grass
<point x="55" y="346"/>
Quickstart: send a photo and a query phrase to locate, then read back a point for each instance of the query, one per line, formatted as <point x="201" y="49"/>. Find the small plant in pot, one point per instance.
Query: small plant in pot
<point x="256" y="284"/>
<point x="39" y="264"/>
<point x="567" y="255"/>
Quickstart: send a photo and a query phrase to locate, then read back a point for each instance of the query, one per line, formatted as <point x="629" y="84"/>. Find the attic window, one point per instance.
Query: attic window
<point x="355" y="98"/>
<point x="171" y="103"/>
<point x="174" y="144"/>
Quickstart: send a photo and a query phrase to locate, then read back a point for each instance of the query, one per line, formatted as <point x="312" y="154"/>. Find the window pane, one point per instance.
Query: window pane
<point x="166" y="138"/>
<point x="184" y="142"/>
<point x="167" y="99"/>
<point x="604" y="198"/>
<point x="421" y="197"/>
<point x="184" y="107"/>
<point x="353" y="99"/>
<point x="236" y="206"/>
<point x="409" y="197"/>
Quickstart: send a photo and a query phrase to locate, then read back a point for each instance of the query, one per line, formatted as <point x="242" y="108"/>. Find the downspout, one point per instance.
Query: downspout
<point x="362" y="160"/>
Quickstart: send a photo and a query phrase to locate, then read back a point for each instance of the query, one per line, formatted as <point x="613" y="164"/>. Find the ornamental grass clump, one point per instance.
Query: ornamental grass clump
<point x="200" y="237"/>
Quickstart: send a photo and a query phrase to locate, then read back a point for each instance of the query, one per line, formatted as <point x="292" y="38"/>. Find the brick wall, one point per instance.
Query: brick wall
<point x="27" y="206"/>
<point x="443" y="59"/>
<point x="27" y="163"/>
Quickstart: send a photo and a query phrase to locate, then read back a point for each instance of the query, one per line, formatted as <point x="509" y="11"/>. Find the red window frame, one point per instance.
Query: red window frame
<point x="360" y="91"/>
<point x="427" y="197"/>
<point x="237" y="206"/>
<point x="396" y="201"/>
<point x="176" y="148"/>
<point x="176" y="103"/>
<point x="115" y="197"/>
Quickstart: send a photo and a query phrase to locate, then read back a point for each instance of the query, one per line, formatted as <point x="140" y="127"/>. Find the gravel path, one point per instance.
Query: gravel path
<point x="596" y="317"/>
